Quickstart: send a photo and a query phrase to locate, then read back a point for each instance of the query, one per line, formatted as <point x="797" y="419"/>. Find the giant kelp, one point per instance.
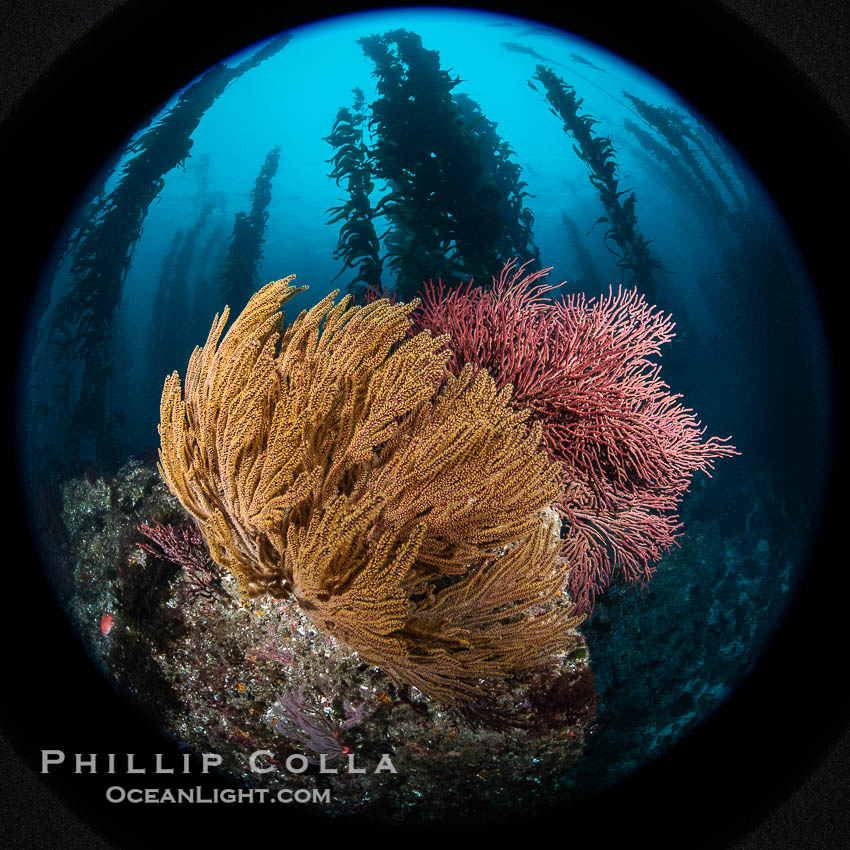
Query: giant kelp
<point x="358" y="243"/>
<point x="321" y="462"/>
<point x="209" y="267"/>
<point x="443" y="218"/>
<point x="673" y="127"/>
<point x="499" y="168"/>
<point x="83" y="323"/>
<point x="622" y="238"/>
<point x="245" y="250"/>
<point x="684" y="180"/>
<point x="168" y="335"/>
<point x="588" y="277"/>
<point x="452" y="199"/>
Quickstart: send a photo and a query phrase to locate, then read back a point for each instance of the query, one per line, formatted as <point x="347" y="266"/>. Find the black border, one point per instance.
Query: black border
<point x="724" y="780"/>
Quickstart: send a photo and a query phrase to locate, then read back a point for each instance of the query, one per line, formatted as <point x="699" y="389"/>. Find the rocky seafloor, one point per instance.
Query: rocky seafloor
<point x="231" y="677"/>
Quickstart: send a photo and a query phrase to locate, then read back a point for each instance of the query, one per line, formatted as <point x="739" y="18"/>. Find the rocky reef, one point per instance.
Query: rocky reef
<point x="234" y="678"/>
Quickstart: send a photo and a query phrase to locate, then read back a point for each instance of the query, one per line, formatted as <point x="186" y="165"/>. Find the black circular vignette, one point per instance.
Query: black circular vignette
<point x="727" y="776"/>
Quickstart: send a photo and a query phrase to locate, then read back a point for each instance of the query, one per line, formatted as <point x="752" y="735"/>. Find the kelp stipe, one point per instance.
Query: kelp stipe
<point x="209" y="268"/>
<point x="499" y="168"/>
<point x="432" y="168"/>
<point x="358" y="241"/>
<point x="588" y="278"/>
<point x="632" y="249"/>
<point x="675" y="130"/>
<point x="169" y="330"/>
<point x="452" y="201"/>
<point x="245" y="249"/>
<point x="708" y="205"/>
<point x="83" y="324"/>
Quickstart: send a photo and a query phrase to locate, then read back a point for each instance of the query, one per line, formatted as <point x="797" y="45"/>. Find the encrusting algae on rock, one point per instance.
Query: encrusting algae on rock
<point x="338" y="462"/>
<point x="256" y="683"/>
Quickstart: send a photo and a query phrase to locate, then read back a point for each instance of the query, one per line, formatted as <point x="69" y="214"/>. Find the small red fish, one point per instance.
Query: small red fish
<point x="107" y="621"/>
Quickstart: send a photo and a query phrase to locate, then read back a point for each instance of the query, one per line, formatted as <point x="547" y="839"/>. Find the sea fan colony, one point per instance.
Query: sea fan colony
<point x="626" y="446"/>
<point x="404" y="507"/>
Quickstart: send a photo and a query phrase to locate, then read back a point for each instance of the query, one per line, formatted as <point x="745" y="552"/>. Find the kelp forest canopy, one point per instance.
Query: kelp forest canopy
<point x="451" y="204"/>
<point x="432" y="182"/>
<point x="435" y="192"/>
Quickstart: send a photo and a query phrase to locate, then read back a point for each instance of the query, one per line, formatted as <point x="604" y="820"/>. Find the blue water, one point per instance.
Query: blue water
<point x="749" y="353"/>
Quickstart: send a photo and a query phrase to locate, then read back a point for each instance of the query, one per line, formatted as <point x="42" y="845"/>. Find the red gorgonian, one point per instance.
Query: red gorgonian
<point x="584" y="368"/>
<point x="184" y="546"/>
